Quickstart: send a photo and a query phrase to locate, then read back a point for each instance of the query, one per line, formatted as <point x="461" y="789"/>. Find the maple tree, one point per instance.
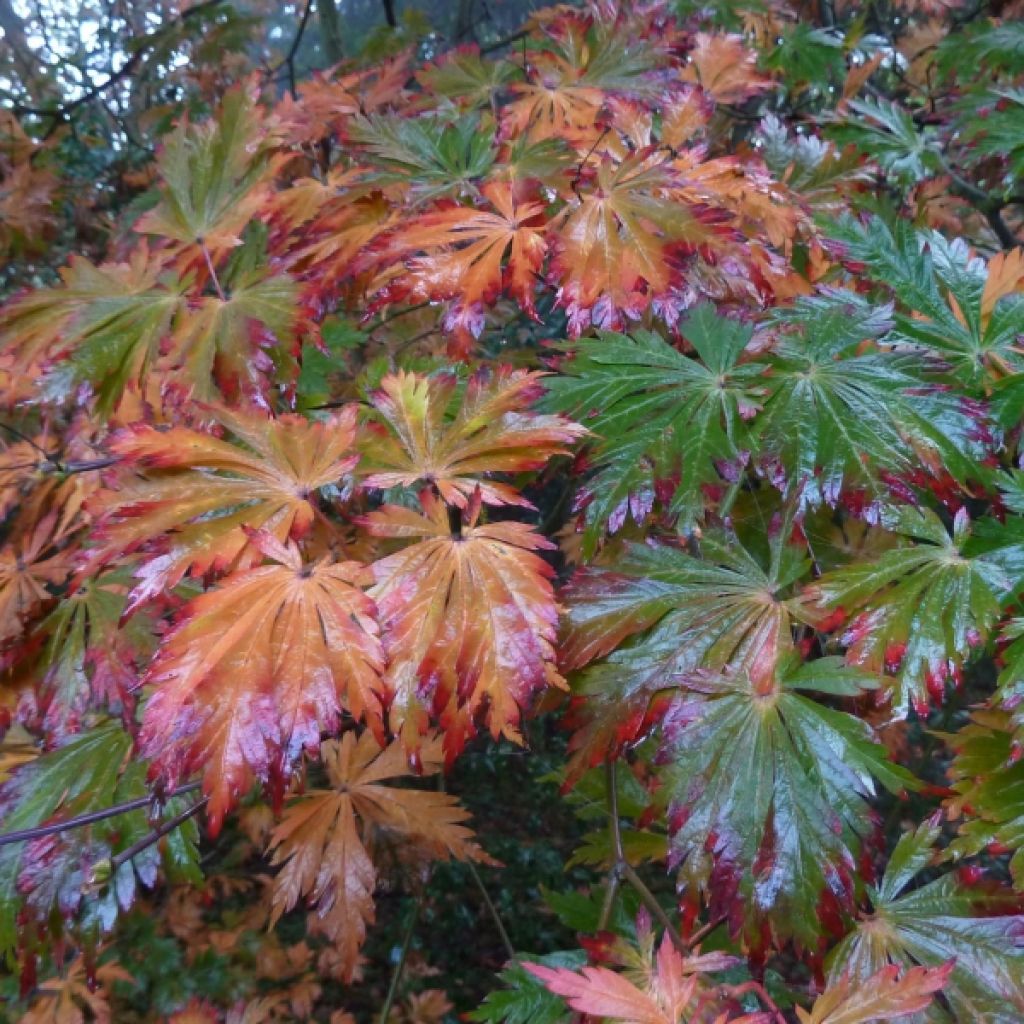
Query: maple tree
<point x="637" y="396"/>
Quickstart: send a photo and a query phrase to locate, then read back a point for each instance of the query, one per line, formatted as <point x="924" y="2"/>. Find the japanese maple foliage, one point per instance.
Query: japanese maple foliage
<point x="661" y="379"/>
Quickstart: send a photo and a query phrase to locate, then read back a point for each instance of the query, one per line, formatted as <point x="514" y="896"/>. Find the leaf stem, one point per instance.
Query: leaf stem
<point x="396" y="975"/>
<point x="213" y="273"/>
<point x="610" y="892"/>
<point x="759" y="990"/>
<point x="627" y="871"/>
<point x="26" y="834"/>
<point x="499" y="924"/>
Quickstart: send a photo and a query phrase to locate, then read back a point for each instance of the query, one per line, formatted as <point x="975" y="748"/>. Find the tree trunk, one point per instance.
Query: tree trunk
<point x="330" y="29"/>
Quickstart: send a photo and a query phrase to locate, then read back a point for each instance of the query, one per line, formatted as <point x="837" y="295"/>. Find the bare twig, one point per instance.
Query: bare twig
<point x="156" y="835"/>
<point x="289" y="60"/>
<point x="26" y="834"/>
<point x="626" y="870"/>
<point x="396" y="975"/>
<point x="213" y="272"/>
<point x="498" y="923"/>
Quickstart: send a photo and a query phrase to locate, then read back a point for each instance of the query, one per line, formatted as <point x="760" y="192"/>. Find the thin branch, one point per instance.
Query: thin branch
<point x="991" y="207"/>
<point x="157" y="834"/>
<point x="499" y="924"/>
<point x="396" y="975"/>
<point x="506" y="41"/>
<point x="734" y="991"/>
<point x="26" y="834"/>
<point x="623" y="867"/>
<point x="289" y="60"/>
<point x="705" y="930"/>
<point x="141" y="49"/>
<point x="610" y="892"/>
<point x="87" y="465"/>
<point x="15" y="432"/>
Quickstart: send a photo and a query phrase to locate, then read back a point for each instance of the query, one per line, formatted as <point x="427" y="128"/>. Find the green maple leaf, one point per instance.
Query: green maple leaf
<point x="940" y="289"/>
<point x="936" y="923"/>
<point x="727" y="611"/>
<point x="886" y="132"/>
<point x="923" y="607"/>
<point x="524" y="999"/>
<point x="222" y="338"/>
<point x="103" y="326"/>
<point x="658" y="413"/>
<point x="437" y="155"/>
<point x="986" y="45"/>
<point x="90" y="657"/>
<point x="814" y="168"/>
<point x="770" y="794"/>
<point x="212" y="176"/>
<point x="992" y="124"/>
<point x="836" y="416"/>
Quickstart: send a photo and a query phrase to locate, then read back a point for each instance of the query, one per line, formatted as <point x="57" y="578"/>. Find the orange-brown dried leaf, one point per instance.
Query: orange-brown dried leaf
<point x="25" y="570"/>
<point x="257" y="668"/>
<point x="320" y="844"/>
<point x="469" y="621"/>
<point x="61" y="1000"/>
<point x="724" y="68"/>
<point x="493" y="431"/>
<point x="187" y="498"/>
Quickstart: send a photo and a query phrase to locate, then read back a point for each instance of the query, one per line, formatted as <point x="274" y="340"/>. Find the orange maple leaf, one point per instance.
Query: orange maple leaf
<point x="462" y="250"/>
<point x="881" y="997"/>
<point x="493" y="431"/>
<point x="25" y="570"/>
<point x="257" y="668"/>
<point x="197" y="494"/>
<point x="614" y="244"/>
<point x="663" y="987"/>
<point x="724" y="68"/>
<point x="469" y="621"/>
<point x="319" y="843"/>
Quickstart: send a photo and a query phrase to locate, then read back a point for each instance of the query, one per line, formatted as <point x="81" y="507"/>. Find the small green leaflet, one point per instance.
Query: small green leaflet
<point x="987" y="774"/>
<point x="524" y="998"/>
<point x="769" y="795"/>
<point x="938" y="922"/>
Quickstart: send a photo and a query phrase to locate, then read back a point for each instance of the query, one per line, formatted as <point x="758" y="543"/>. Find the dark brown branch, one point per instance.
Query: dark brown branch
<point x="28" y="834"/>
<point x="141" y="50"/>
<point x="389" y="13"/>
<point x="989" y="206"/>
<point x="506" y="41"/>
<point x="156" y="835"/>
<point x="289" y="60"/>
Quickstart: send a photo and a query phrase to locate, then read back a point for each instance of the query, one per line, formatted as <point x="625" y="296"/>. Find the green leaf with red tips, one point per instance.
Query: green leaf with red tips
<point x="769" y="796"/>
<point x="977" y="928"/>
<point x="921" y="607"/>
